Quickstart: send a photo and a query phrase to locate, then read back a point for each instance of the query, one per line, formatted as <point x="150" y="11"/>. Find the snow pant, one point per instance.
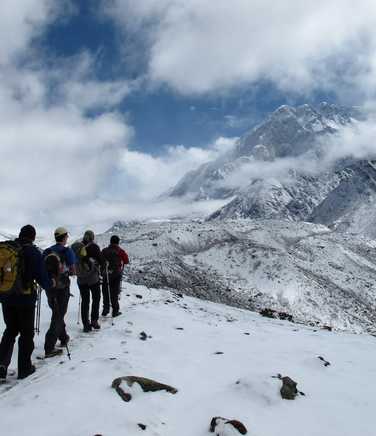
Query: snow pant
<point x="111" y="293"/>
<point x="58" y="302"/>
<point x="19" y="320"/>
<point x="85" y="302"/>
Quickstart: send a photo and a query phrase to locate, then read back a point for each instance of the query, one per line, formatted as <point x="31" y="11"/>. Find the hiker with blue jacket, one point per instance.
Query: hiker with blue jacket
<point x="19" y="297"/>
<point x="60" y="262"/>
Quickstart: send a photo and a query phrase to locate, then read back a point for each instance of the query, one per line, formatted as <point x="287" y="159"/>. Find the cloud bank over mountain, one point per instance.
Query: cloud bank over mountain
<point x="65" y="133"/>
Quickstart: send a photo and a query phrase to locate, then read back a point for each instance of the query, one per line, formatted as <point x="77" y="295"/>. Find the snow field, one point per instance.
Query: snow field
<point x="75" y="398"/>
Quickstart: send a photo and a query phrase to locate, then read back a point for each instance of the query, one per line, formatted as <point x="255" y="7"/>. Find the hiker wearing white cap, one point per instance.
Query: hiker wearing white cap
<point x="60" y="262"/>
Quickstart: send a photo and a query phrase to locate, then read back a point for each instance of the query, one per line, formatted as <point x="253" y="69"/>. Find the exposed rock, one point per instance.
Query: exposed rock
<point x="147" y="385"/>
<point x="288" y="389"/>
<point x="142" y="426"/>
<point x="125" y="396"/>
<point x="143" y="336"/>
<point x="218" y="425"/>
<point x="271" y="313"/>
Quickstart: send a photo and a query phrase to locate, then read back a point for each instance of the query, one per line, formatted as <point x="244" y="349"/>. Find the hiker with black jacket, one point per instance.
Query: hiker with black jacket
<point x="60" y="262"/>
<point x="19" y="306"/>
<point x="88" y="279"/>
<point x="115" y="258"/>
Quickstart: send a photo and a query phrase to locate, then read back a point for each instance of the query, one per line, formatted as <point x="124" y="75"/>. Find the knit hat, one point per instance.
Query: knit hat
<point x="27" y="232"/>
<point x="89" y="236"/>
<point x="115" y="239"/>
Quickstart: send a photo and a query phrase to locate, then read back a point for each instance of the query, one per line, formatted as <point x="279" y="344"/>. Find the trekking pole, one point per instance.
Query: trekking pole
<point x="68" y="352"/>
<point x="37" y="319"/>
<point x="79" y="310"/>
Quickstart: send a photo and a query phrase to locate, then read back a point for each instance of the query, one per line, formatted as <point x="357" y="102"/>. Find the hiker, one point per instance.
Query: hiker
<point x="90" y="262"/>
<point x="60" y="262"/>
<point x="116" y="258"/>
<point x="18" y="295"/>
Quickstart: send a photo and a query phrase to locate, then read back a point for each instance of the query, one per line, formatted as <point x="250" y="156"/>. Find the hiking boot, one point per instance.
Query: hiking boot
<point x="53" y="353"/>
<point x="3" y="372"/>
<point x="24" y="374"/>
<point x="87" y="328"/>
<point x="114" y="315"/>
<point x="105" y="312"/>
<point x="95" y="325"/>
<point x="65" y="342"/>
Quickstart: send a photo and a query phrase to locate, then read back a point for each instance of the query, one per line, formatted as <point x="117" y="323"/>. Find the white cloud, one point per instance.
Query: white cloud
<point x="198" y="47"/>
<point x="146" y="177"/>
<point x="53" y="156"/>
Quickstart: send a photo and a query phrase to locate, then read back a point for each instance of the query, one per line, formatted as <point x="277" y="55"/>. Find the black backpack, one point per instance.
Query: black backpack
<point x="56" y="267"/>
<point x="114" y="260"/>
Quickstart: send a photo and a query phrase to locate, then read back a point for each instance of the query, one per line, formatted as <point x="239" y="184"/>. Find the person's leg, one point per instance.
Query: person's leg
<point x="85" y="302"/>
<point x="54" y="329"/>
<point x="115" y="283"/>
<point x="26" y="316"/>
<point x="106" y="297"/>
<point x="9" y="336"/>
<point x="96" y="299"/>
<point x="63" y="301"/>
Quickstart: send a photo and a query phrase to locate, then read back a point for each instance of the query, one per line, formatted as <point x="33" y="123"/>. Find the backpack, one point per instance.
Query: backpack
<point x="114" y="260"/>
<point x="12" y="269"/>
<point x="56" y="268"/>
<point x="87" y="270"/>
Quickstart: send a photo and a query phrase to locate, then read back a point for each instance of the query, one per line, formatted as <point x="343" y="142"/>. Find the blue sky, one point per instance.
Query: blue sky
<point x="106" y="104"/>
<point x="160" y="115"/>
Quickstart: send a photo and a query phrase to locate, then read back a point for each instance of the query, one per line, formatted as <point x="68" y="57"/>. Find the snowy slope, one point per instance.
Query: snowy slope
<point x="75" y="398"/>
<point x="315" y="273"/>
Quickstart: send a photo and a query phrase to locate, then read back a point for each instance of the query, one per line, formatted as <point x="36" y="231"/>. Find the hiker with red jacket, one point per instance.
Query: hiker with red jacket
<point x="116" y="259"/>
<point x="18" y="301"/>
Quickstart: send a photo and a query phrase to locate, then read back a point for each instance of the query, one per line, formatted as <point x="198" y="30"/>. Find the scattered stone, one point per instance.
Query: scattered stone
<point x="142" y="426"/>
<point x="179" y="328"/>
<point x="143" y="336"/>
<point x="219" y="426"/>
<point x="327" y="327"/>
<point x="147" y="385"/>
<point x="246" y="333"/>
<point x="288" y="389"/>
<point x="139" y="296"/>
<point x="219" y="352"/>
<point x="155" y="244"/>
<point x="326" y="363"/>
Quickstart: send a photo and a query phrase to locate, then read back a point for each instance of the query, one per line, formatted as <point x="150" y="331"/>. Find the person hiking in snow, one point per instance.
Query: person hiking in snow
<point x="89" y="263"/>
<point x="115" y="258"/>
<point x="18" y="298"/>
<point x="60" y="262"/>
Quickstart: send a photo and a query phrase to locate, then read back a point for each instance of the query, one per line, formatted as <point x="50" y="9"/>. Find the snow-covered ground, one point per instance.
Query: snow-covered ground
<point x="75" y="397"/>
<point x="309" y="270"/>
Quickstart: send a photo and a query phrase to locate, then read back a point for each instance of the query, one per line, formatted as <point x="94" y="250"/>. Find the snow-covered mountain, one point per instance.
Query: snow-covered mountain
<point x="223" y="362"/>
<point x="286" y="132"/>
<point x="314" y="273"/>
<point x="257" y="187"/>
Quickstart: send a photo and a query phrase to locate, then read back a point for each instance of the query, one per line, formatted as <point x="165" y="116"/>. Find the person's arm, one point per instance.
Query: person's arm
<point x="124" y="256"/>
<point x="39" y="271"/>
<point x="71" y="260"/>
